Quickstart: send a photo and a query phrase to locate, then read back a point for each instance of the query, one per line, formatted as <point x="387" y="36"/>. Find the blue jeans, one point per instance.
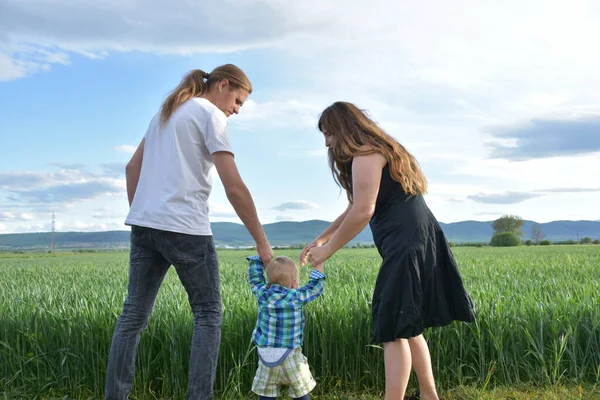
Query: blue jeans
<point x="195" y="260"/>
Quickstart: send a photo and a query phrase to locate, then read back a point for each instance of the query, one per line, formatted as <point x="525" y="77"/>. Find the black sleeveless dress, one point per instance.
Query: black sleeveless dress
<point x="419" y="285"/>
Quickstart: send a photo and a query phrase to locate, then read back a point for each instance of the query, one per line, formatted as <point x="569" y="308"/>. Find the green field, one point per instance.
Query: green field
<point x="537" y="308"/>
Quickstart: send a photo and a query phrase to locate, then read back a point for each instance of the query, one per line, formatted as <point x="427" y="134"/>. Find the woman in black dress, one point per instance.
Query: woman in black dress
<point x="418" y="285"/>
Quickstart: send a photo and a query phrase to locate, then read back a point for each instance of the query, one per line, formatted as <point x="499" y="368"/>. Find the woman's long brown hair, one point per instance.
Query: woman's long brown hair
<point x="349" y="129"/>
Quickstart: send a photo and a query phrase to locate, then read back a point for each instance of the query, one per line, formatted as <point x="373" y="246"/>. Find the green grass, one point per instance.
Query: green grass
<point x="521" y="392"/>
<point x="538" y="326"/>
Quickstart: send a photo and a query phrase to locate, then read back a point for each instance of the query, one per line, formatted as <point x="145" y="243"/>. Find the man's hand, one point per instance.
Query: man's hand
<point x="265" y="253"/>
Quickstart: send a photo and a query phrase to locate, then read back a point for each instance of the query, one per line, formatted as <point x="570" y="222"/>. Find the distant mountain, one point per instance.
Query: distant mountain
<point x="476" y="231"/>
<point x="293" y="233"/>
<point x="225" y="234"/>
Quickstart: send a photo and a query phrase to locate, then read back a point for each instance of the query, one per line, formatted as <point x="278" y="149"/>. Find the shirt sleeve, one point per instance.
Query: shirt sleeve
<point x="216" y="133"/>
<point x="152" y="125"/>
<point x="314" y="287"/>
<point x="256" y="276"/>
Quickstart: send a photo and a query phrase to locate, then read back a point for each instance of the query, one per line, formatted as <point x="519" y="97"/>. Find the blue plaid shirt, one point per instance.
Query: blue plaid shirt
<point x="280" y="321"/>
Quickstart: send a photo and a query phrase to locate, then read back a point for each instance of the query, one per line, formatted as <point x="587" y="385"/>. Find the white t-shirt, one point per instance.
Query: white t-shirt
<point x="175" y="182"/>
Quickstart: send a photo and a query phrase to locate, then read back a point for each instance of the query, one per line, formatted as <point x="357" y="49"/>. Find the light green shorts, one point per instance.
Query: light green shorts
<point x="293" y="372"/>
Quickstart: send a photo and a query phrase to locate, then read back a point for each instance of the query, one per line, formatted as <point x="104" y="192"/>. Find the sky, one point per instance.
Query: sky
<point x="499" y="101"/>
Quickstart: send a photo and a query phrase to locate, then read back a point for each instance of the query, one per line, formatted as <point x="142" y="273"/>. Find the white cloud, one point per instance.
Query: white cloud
<point x="2" y="227"/>
<point x="82" y="226"/>
<point x="410" y="63"/>
<point x="453" y="189"/>
<point x="64" y="166"/>
<point x="488" y="213"/>
<point x="518" y="197"/>
<point x="70" y="226"/>
<point x="295" y="205"/>
<point x="30" y="198"/>
<point x="39" y="33"/>
<point x="20" y="60"/>
<point x="125" y="148"/>
<point x="67" y="192"/>
<point x="109" y="214"/>
<point x="525" y="175"/>
<point x="420" y="56"/>
<point x="502" y="198"/>
<point x="282" y="218"/>
<point x="113" y="170"/>
<point x="572" y="134"/>
<point x="6" y="216"/>
<point x="9" y="69"/>
<point x="29" y="228"/>
<point x="277" y="114"/>
<point x="433" y="74"/>
<point x="570" y="190"/>
<point x="221" y="211"/>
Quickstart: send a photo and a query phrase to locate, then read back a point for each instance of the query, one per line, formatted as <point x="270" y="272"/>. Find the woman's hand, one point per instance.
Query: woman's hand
<point x="304" y="254"/>
<point x="318" y="255"/>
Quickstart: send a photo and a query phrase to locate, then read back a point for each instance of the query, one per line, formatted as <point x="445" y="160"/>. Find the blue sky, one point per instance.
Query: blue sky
<point x="498" y="102"/>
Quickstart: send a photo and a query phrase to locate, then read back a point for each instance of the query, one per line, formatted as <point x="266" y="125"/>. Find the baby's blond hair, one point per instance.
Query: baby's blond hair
<point x="282" y="271"/>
